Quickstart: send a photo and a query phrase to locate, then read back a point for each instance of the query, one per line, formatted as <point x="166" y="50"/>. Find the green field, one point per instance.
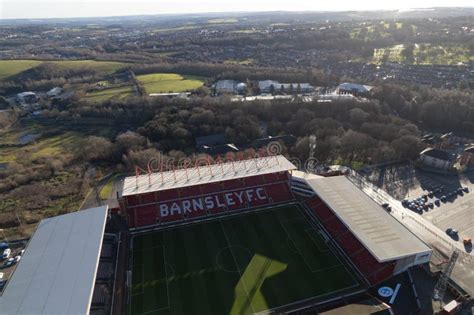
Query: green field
<point x="238" y="265"/>
<point x="169" y="82"/>
<point x="10" y="68"/>
<point x="119" y="92"/>
<point x="424" y="54"/>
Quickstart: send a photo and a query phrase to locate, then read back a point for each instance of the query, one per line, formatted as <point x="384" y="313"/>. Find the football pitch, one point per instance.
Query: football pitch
<point x="236" y="265"/>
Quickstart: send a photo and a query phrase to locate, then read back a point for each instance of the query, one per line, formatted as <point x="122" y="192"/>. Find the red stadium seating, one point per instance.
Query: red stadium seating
<point x="373" y="271"/>
<point x="279" y="192"/>
<point x="167" y="195"/>
<point x="145" y="215"/>
<point x="232" y="195"/>
<point x="276" y="177"/>
<point x="232" y="184"/>
<point x="148" y="198"/>
<point x="210" y="188"/>
<point x="253" y="181"/>
<point x="132" y="200"/>
<point x="190" y="191"/>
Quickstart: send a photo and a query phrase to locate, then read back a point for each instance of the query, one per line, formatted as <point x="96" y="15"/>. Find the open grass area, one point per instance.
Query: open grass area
<point x="119" y="92"/>
<point x="169" y="82"/>
<point x="107" y="188"/>
<point x="392" y="54"/>
<point x="223" y="21"/>
<point x="106" y="67"/>
<point x="424" y="54"/>
<point x="62" y="143"/>
<point x="239" y="265"/>
<point x="10" y="68"/>
<point x="244" y="62"/>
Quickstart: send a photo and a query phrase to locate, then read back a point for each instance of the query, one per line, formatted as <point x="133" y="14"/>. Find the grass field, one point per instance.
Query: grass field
<point x="119" y="92"/>
<point x="238" y="265"/>
<point x="10" y="68"/>
<point x="169" y="82"/>
<point x="64" y="143"/>
<point x="424" y="54"/>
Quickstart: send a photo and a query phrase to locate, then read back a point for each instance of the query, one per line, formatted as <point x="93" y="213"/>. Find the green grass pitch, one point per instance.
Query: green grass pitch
<point x="237" y="265"/>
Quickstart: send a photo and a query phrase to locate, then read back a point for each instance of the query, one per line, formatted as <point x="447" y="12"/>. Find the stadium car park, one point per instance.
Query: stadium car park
<point x="445" y="201"/>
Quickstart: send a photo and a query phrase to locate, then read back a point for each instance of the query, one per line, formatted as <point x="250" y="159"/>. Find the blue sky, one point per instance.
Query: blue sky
<point x="91" y="8"/>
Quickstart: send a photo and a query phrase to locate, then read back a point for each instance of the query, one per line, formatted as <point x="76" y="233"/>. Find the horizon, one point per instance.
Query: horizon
<point x="71" y="9"/>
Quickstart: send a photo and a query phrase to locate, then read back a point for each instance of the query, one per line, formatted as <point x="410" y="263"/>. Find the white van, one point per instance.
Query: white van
<point x="6" y="253"/>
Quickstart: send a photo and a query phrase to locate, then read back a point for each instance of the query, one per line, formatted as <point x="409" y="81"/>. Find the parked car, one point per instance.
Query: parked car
<point x="452" y="232"/>
<point x="6" y="253"/>
<point x="3" y="246"/>
<point x="2" y="284"/>
<point x="385" y="205"/>
<point x="10" y="262"/>
<point x="1" y="275"/>
<point x="17" y="258"/>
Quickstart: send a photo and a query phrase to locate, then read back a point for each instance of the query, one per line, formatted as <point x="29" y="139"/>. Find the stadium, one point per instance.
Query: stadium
<point x="246" y="236"/>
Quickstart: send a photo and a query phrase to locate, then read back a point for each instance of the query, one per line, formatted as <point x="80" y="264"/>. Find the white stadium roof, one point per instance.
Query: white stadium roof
<point x="205" y="174"/>
<point x="56" y="274"/>
<point x="377" y="230"/>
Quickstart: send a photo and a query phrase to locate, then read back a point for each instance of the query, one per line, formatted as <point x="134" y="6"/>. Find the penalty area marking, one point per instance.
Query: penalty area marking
<point x="141" y="281"/>
<point x="310" y="232"/>
<point x="312" y="270"/>
<point x="168" y="306"/>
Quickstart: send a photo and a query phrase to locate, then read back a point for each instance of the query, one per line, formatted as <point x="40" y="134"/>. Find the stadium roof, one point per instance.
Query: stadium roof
<point x="381" y="234"/>
<point x="205" y="174"/>
<point x="57" y="272"/>
<point x="436" y="153"/>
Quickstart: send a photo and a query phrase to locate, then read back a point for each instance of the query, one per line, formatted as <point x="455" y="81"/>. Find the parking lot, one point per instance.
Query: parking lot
<point x="457" y="213"/>
<point x="404" y="181"/>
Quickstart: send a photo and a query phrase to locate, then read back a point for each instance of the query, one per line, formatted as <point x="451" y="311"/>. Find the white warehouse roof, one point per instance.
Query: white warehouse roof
<point x="385" y="237"/>
<point x="57" y="272"/>
<point x="205" y="174"/>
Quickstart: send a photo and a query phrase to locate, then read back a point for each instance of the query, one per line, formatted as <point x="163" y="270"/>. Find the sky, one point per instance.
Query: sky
<point x="12" y="9"/>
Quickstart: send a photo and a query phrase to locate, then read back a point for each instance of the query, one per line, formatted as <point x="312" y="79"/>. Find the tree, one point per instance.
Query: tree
<point x="97" y="149"/>
<point x="407" y="147"/>
<point x="358" y="116"/>
<point x="129" y="140"/>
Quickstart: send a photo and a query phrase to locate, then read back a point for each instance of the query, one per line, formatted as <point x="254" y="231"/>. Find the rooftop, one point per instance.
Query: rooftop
<point x="436" y="153"/>
<point x="205" y="174"/>
<point x="354" y="86"/>
<point x="57" y="272"/>
<point x="227" y="85"/>
<point x="380" y="233"/>
<point x="469" y="149"/>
